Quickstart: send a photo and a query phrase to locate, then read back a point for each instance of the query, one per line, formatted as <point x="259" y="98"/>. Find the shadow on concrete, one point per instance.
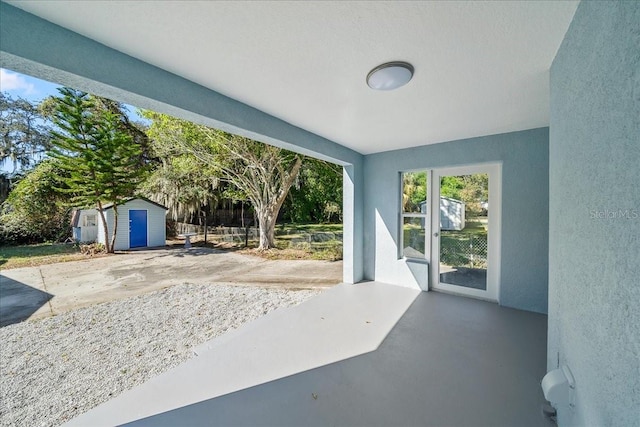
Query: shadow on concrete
<point x="449" y="361"/>
<point x="19" y="301"/>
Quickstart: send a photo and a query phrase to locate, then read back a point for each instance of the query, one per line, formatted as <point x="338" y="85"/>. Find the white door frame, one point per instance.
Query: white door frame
<point x="494" y="170"/>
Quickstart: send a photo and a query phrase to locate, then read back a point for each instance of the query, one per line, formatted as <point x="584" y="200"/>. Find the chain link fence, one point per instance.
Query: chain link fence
<point x="467" y="251"/>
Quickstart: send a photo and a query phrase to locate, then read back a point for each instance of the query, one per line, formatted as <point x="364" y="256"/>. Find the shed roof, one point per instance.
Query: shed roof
<point x="110" y="205"/>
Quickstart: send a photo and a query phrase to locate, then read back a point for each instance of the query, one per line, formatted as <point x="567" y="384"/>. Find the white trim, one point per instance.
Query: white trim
<point x="492" y="293"/>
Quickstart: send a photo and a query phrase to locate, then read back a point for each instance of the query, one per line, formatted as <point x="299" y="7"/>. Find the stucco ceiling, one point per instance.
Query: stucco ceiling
<point x="480" y="67"/>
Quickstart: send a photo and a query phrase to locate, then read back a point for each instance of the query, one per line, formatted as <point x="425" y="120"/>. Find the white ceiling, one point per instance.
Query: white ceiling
<point x="480" y="67"/>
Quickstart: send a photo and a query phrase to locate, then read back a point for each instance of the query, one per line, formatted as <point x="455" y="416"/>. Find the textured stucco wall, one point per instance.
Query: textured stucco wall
<point x="594" y="247"/>
<point x="525" y="179"/>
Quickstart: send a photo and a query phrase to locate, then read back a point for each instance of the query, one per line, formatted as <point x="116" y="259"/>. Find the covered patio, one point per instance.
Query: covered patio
<point x="447" y="361"/>
<point x="544" y="92"/>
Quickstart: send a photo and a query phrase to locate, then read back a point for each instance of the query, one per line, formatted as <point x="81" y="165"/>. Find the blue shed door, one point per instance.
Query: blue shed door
<point x="137" y="228"/>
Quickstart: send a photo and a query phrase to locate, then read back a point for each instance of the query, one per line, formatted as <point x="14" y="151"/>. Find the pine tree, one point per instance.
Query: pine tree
<point x="102" y="161"/>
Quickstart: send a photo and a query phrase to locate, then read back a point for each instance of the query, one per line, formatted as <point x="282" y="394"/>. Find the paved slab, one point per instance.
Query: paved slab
<point x="449" y="361"/>
<point x="341" y="323"/>
<point x="34" y="292"/>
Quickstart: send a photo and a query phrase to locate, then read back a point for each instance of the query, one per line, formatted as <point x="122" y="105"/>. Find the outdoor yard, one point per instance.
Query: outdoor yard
<point x="76" y="334"/>
<point x="322" y="242"/>
<point x="466" y="248"/>
<point x="33" y="255"/>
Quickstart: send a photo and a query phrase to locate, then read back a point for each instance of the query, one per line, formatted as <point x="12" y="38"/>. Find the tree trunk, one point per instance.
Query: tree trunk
<point x="111" y="248"/>
<point x="204" y="218"/>
<point x="104" y="227"/>
<point x="267" y="223"/>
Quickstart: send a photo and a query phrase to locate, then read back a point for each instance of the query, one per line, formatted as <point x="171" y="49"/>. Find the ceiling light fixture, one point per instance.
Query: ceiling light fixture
<point x="390" y="76"/>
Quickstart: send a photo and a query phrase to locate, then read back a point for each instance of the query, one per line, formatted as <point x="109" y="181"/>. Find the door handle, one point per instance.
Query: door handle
<point x="436" y="234"/>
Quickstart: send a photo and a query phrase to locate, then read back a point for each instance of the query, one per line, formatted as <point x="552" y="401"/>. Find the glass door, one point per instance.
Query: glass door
<point x="465" y="225"/>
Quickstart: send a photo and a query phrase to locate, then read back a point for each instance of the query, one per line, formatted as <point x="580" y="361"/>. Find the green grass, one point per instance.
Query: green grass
<point x="33" y="255"/>
<point x="287" y="229"/>
<point x="475" y="227"/>
<point x="293" y="242"/>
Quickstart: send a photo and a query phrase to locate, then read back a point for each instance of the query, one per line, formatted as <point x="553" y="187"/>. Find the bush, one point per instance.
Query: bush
<point x="171" y="228"/>
<point x="92" y="249"/>
<point x="33" y="212"/>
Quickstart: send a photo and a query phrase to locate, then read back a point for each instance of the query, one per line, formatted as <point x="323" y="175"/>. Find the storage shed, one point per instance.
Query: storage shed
<point x="85" y="225"/>
<point x="141" y="223"/>
<point x="452" y="214"/>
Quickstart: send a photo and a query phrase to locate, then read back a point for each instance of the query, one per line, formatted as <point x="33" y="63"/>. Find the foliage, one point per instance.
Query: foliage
<point x="471" y="189"/>
<point x="24" y="132"/>
<point x="34" y="211"/>
<point x="99" y="106"/>
<point x="92" y="249"/>
<point x="450" y="186"/>
<point x="317" y="194"/>
<point x="261" y="173"/>
<point x="180" y="181"/>
<point x="101" y="161"/>
<point x="8" y="181"/>
<point x="414" y="191"/>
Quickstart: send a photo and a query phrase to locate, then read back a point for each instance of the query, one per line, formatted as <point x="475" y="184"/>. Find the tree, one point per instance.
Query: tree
<point x="316" y="196"/>
<point x="414" y="191"/>
<point x="179" y="181"/>
<point x="181" y="185"/>
<point x="471" y="189"/>
<point x="34" y="210"/>
<point x="101" y="161"/>
<point x="25" y="134"/>
<point x="262" y="173"/>
<point x="100" y="105"/>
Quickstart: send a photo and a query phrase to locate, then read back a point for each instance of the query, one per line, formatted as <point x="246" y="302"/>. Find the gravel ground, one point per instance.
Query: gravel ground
<point x="57" y="368"/>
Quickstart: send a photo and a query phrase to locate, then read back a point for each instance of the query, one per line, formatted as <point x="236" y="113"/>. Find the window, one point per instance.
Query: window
<point x="90" y="221"/>
<point x="414" y="212"/>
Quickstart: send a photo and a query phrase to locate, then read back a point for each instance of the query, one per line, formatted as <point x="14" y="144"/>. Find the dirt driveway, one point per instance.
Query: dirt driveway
<point x="34" y="292"/>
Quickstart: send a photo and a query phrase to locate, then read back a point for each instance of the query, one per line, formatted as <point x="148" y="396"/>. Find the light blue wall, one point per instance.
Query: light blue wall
<point x="525" y="180"/>
<point x="39" y="48"/>
<point x="594" y="247"/>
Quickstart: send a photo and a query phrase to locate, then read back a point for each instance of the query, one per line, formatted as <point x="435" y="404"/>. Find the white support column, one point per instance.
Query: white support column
<point x="353" y="232"/>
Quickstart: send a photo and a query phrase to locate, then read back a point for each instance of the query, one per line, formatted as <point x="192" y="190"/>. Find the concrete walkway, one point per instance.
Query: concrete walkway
<point x="36" y="292"/>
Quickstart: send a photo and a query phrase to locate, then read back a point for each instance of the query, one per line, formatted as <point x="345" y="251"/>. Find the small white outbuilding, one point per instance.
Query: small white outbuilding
<point x="141" y="224"/>
<point x="452" y="214"/>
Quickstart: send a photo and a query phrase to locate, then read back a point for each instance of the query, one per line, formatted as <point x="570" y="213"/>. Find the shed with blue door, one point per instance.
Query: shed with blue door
<point x="141" y="224"/>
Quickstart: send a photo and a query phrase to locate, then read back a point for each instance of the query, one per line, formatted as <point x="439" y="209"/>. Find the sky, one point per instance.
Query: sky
<point x="26" y="87"/>
<point x="34" y="90"/>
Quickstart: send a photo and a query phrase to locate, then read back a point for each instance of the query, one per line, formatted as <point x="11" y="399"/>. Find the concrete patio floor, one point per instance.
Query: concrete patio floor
<point x="369" y="354"/>
<point x="46" y="290"/>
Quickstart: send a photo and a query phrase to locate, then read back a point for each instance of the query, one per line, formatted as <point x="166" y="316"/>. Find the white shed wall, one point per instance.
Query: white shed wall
<point x="82" y="232"/>
<point x="156" y="224"/>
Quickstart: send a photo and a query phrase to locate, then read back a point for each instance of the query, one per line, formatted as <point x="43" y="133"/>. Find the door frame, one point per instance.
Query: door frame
<point x="494" y="170"/>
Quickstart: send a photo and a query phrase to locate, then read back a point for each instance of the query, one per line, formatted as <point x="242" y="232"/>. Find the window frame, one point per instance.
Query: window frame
<point x="86" y="220"/>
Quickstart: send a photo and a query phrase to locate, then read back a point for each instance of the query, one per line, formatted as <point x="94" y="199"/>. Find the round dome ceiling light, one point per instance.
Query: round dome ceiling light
<point x="390" y="76"/>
